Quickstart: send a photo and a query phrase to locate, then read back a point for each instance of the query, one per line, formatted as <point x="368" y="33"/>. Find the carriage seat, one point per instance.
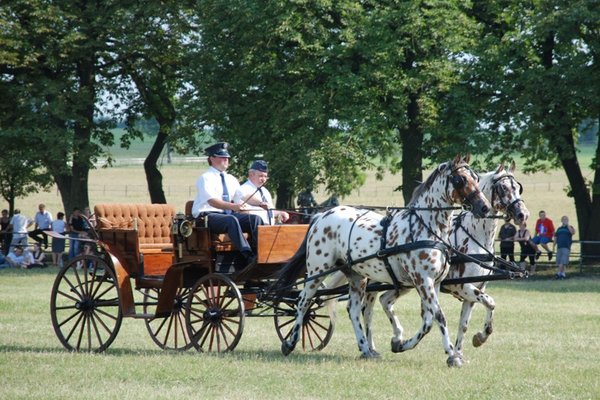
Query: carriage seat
<point x="153" y="223"/>
<point x="220" y="241"/>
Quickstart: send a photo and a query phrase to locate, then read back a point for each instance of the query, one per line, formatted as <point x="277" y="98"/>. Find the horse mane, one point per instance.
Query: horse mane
<point x="424" y="186"/>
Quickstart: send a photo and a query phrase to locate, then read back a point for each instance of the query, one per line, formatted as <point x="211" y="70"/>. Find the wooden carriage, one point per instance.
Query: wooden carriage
<point x="189" y="286"/>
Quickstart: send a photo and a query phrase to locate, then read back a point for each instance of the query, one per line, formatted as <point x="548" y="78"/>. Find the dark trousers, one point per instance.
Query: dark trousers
<point x="40" y="236"/>
<point x="234" y="225"/>
<point x="507" y="251"/>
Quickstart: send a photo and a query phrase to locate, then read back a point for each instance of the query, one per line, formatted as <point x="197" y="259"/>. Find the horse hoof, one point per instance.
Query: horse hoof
<point x="397" y="346"/>
<point x="286" y="348"/>
<point x="478" y="339"/>
<point x="455" y="362"/>
<point x="370" y="356"/>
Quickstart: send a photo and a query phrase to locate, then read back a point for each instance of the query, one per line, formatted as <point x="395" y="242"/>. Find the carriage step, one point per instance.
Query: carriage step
<point x="139" y="316"/>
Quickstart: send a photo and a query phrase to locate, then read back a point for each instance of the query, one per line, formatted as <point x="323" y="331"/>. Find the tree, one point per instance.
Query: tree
<point x="540" y="63"/>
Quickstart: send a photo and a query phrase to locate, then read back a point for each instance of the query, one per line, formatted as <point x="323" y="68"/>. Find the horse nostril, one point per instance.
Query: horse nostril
<point x="521" y="217"/>
<point x="485" y="209"/>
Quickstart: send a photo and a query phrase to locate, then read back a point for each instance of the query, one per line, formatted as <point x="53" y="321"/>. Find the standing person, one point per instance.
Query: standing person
<point x="528" y="249"/>
<point x="544" y="233"/>
<point x="76" y="230"/>
<point x="5" y="234"/>
<point x="507" y="242"/>
<point x="43" y="222"/>
<point x="564" y="239"/>
<point x="18" y="225"/>
<point x="214" y="205"/>
<point x="58" y="245"/>
<point x="254" y="193"/>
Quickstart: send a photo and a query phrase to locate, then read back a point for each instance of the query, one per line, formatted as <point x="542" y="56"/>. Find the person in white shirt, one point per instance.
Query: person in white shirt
<point x="43" y="222"/>
<point x="18" y="225"/>
<point x="254" y="193"/>
<point x="214" y="206"/>
<point x="58" y="244"/>
<point x="19" y="257"/>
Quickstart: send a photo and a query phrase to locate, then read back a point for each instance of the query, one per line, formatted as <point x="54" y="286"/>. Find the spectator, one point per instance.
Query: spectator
<point x="38" y="257"/>
<point x="528" y="249"/>
<point x="76" y="231"/>
<point x="213" y="205"/>
<point x="4" y="262"/>
<point x="43" y="222"/>
<point x="507" y="242"/>
<point x="18" y="225"/>
<point x="5" y="234"/>
<point x="564" y="239"/>
<point x="19" y="257"/>
<point x="544" y="233"/>
<point x="254" y="193"/>
<point x="58" y="245"/>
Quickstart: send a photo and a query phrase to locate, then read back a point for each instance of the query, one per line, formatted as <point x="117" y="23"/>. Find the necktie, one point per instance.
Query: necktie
<point x="269" y="211"/>
<point x="225" y="191"/>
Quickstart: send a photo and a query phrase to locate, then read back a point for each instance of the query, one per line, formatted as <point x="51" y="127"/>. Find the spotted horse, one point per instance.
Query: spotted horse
<point x="470" y="269"/>
<point x="408" y="252"/>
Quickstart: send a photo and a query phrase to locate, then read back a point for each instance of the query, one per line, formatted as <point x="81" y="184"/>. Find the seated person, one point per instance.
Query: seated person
<point x="19" y="258"/>
<point x="213" y="201"/>
<point x="254" y="193"/>
<point x="544" y="233"/>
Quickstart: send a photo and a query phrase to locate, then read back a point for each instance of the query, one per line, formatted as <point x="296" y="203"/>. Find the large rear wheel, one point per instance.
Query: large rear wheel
<point x="214" y="314"/>
<point x="169" y="333"/>
<point x="84" y="305"/>
<point x="317" y="326"/>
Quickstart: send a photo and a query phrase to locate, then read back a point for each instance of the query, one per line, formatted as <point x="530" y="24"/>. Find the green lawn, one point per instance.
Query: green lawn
<point x="545" y="345"/>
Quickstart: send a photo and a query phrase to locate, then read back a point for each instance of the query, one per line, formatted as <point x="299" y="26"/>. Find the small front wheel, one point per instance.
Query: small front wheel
<point x="215" y="314"/>
<point x="85" y="305"/>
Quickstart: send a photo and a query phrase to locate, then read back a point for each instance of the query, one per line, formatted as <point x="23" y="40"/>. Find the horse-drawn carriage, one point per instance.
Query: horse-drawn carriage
<point x="194" y="293"/>
<point x="188" y="285"/>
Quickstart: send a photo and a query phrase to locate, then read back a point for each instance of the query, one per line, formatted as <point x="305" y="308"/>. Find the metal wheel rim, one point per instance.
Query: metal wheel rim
<point x="215" y="314"/>
<point x="169" y="333"/>
<point x="85" y="305"/>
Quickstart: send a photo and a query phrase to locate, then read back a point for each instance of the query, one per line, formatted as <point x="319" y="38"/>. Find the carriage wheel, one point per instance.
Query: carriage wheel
<point x="214" y="314"/>
<point x="317" y="327"/>
<point x="85" y="306"/>
<point x="169" y="333"/>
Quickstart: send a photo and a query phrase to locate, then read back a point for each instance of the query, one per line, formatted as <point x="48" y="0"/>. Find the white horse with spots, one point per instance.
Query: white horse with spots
<point x="406" y="250"/>
<point x="474" y="237"/>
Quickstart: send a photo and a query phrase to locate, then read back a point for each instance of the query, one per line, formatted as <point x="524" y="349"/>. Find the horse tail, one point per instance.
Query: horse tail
<point x="293" y="269"/>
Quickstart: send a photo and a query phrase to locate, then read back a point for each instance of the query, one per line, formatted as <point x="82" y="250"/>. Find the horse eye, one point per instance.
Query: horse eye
<point x="458" y="181"/>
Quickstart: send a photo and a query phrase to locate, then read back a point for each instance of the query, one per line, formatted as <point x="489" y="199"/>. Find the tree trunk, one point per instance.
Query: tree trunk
<point x="285" y="197"/>
<point x="412" y="153"/>
<point x="153" y="175"/>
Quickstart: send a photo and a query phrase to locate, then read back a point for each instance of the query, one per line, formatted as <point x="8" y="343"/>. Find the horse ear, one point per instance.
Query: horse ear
<point x="500" y="168"/>
<point x="467" y="158"/>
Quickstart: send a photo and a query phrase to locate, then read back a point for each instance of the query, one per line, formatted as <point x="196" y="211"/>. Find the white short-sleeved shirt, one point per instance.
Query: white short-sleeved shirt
<point x="58" y="225"/>
<point x="44" y="220"/>
<point x="249" y="189"/>
<point x="19" y="223"/>
<point x="209" y="186"/>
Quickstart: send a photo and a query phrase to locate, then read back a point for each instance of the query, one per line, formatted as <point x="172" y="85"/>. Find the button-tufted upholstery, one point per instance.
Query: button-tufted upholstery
<point x="153" y="221"/>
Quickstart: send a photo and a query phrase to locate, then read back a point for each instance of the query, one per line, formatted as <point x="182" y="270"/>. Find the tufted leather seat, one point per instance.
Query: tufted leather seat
<point x="153" y="222"/>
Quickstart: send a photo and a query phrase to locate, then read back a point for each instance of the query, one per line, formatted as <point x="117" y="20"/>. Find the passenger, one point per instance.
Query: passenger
<point x="254" y="193"/>
<point x="43" y="222"/>
<point x="213" y="204"/>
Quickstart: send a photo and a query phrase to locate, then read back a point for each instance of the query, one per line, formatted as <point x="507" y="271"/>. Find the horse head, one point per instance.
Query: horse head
<point x="465" y="186"/>
<point x="506" y="194"/>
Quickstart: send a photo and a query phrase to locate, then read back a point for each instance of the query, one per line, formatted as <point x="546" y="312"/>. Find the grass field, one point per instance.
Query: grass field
<point x="545" y="346"/>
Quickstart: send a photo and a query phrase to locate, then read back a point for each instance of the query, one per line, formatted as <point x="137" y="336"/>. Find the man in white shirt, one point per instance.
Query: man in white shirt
<point x="18" y="225"/>
<point x="214" y="203"/>
<point x="254" y="193"/>
<point x="43" y="222"/>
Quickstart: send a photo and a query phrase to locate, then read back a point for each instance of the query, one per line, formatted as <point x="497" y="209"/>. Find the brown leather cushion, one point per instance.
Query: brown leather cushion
<point x="153" y="221"/>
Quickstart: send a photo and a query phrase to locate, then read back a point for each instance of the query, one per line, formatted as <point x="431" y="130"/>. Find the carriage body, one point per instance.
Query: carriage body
<point x="194" y="289"/>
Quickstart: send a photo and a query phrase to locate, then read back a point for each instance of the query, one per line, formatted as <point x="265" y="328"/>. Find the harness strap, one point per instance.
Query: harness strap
<point x="464" y="258"/>
<point x="385" y="223"/>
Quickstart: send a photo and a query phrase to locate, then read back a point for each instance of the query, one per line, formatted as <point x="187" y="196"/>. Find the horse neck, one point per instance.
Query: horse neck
<point x="434" y="210"/>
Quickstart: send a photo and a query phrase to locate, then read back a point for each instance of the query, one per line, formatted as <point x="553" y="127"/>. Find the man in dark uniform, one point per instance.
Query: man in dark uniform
<point x="213" y="202"/>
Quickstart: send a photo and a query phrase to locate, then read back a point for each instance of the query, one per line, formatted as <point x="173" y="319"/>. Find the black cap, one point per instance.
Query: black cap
<point x="260" y="165"/>
<point x="218" y="150"/>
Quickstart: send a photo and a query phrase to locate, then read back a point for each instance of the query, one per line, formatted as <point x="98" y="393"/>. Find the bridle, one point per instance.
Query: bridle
<point x="458" y="182"/>
<point x="498" y="190"/>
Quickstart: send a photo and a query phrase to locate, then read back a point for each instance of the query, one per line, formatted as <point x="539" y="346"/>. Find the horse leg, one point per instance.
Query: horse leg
<point x="387" y="301"/>
<point x="472" y="295"/>
<point x="367" y="312"/>
<point x="357" y="285"/>
<point x="430" y="311"/>
<point x="304" y="300"/>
